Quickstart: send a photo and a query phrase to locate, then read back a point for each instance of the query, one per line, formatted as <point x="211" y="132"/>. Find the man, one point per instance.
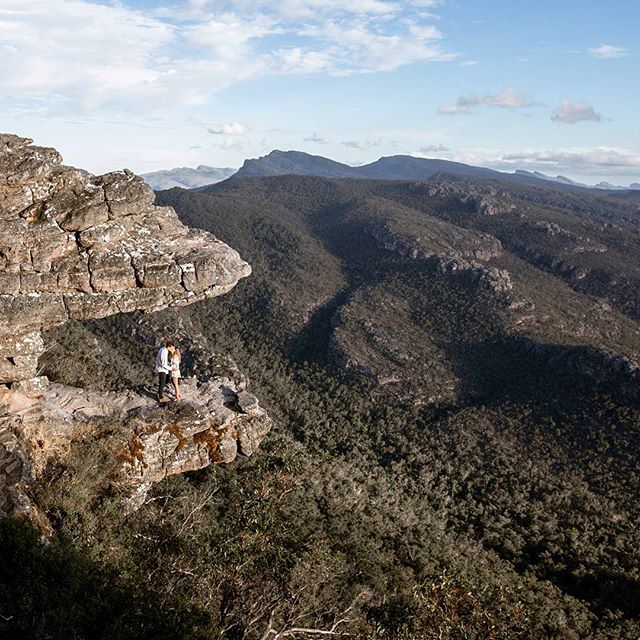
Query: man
<point x="163" y="368"/>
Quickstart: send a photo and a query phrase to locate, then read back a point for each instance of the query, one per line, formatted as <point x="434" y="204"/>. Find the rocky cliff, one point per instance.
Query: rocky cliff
<point x="78" y="246"/>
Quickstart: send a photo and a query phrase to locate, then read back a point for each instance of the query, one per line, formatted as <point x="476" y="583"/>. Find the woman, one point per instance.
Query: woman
<point x="175" y="370"/>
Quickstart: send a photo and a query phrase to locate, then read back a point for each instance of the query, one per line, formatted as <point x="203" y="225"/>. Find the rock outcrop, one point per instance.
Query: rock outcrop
<point x="485" y="199"/>
<point x="78" y="246"/>
<point x="464" y="253"/>
<point x="461" y="243"/>
<point x="212" y="423"/>
<point x="492" y="278"/>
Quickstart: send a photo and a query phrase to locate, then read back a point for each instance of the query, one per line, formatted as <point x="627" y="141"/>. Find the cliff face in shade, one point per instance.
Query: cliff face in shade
<point x="78" y="246"/>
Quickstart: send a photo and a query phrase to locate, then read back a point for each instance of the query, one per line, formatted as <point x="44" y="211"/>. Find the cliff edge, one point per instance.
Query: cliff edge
<point x="78" y="246"/>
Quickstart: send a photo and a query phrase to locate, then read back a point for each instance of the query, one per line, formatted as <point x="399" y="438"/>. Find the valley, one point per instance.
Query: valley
<point x="454" y="409"/>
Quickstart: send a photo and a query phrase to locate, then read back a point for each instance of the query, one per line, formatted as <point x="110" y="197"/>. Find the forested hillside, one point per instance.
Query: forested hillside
<point x="452" y="368"/>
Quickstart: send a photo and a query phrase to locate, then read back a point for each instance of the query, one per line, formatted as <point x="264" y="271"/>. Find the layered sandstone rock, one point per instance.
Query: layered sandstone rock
<point x="78" y="246"/>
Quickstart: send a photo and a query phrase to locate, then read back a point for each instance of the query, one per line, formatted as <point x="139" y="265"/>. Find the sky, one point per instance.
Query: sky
<point x="154" y="84"/>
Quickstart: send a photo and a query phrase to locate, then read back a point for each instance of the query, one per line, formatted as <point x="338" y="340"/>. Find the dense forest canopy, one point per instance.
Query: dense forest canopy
<point x="451" y="369"/>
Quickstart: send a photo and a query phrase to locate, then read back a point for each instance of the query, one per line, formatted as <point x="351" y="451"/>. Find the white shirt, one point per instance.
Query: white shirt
<point x="162" y="361"/>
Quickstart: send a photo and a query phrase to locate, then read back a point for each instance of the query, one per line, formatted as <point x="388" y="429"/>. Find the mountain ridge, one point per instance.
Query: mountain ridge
<point x="396" y="167"/>
<point x="186" y="177"/>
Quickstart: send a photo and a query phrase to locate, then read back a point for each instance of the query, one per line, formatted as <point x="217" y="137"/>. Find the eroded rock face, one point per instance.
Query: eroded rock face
<point x="492" y="278"/>
<point x="78" y="246"/>
<point x="468" y="261"/>
<point x="464" y="244"/>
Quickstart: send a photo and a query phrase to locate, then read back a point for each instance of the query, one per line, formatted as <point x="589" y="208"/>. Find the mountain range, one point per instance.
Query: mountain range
<point x="390" y="168"/>
<point x="400" y="167"/>
<point x="605" y="186"/>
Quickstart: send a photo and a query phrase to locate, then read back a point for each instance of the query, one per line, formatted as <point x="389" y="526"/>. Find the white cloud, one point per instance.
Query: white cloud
<point x="315" y="138"/>
<point x="307" y="8"/>
<point x="431" y="149"/>
<point x="232" y="132"/>
<point x="453" y="110"/>
<point x="585" y="161"/>
<point x="596" y="158"/>
<point x="83" y="55"/>
<point x="231" y="129"/>
<point x="289" y="11"/>
<point x="227" y="36"/>
<point x="608" y="51"/>
<point x="362" y="145"/>
<point x="572" y="112"/>
<point x="76" y="50"/>
<point x="506" y="99"/>
<point x="354" y="46"/>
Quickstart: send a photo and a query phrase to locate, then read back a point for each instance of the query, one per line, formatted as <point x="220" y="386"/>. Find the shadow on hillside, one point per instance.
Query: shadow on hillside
<point x="520" y="370"/>
<point x="364" y="264"/>
<point x="603" y="590"/>
<point x="55" y="591"/>
<point x="311" y="344"/>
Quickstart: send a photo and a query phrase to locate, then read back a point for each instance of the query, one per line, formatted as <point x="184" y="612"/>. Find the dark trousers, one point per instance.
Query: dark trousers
<point x="163" y="380"/>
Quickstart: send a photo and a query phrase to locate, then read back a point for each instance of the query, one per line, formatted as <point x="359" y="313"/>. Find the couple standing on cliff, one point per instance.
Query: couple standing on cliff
<point x="168" y="369"/>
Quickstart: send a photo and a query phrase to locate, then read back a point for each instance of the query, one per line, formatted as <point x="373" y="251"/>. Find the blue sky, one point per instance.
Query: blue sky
<point x="150" y="84"/>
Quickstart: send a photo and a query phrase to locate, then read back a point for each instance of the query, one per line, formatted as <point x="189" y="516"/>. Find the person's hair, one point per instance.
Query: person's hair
<point x="169" y="343"/>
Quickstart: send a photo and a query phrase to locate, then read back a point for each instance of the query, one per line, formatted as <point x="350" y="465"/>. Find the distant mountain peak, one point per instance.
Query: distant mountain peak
<point x="187" y="177"/>
<point x="295" y="163"/>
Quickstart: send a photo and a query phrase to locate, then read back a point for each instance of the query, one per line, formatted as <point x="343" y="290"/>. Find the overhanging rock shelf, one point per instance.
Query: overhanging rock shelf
<point x="78" y="246"/>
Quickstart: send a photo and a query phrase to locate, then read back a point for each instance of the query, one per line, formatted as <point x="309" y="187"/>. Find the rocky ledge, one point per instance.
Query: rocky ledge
<point x="212" y="423"/>
<point x="457" y="252"/>
<point x="78" y="246"/>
